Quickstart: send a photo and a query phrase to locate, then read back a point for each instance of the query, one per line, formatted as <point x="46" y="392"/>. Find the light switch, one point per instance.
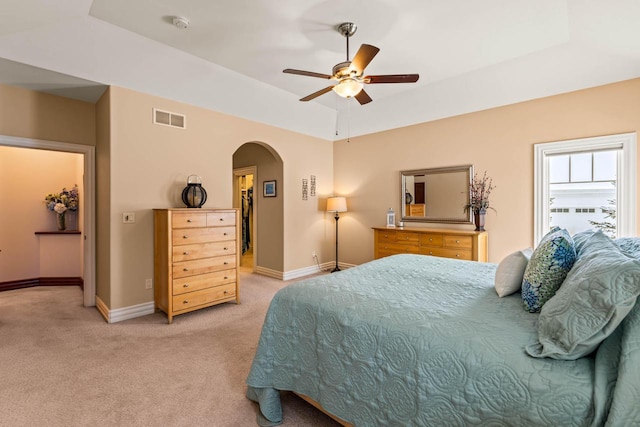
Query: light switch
<point x="128" y="217"/>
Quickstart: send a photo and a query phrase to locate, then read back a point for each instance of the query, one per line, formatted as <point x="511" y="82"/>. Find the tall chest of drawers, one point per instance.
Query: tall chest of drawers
<point x="459" y="244"/>
<point x="196" y="258"/>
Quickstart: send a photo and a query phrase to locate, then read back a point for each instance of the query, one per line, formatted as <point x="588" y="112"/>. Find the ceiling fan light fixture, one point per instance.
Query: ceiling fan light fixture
<point x="348" y="88"/>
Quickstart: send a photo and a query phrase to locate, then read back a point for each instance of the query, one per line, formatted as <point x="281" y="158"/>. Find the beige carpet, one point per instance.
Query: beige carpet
<point x="62" y="365"/>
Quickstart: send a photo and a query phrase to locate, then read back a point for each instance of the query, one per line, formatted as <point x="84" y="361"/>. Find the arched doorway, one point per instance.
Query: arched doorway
<point x="255" y="163"/>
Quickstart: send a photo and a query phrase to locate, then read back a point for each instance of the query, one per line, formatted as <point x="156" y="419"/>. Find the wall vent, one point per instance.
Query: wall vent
<point x="167" y="118"/>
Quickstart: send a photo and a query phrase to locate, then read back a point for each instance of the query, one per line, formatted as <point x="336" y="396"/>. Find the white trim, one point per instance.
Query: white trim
<point x="268" y="272"/>
<point x="301" y="272"/>
<point x="125" y="313"/>
<point x="88" y="233"/>
<point x="626" y="183"/>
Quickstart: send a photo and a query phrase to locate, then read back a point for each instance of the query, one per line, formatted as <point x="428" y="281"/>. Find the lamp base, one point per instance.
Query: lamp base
<point x="335" y="269"/>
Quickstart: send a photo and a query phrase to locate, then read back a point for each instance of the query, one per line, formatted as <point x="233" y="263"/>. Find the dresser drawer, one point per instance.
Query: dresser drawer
<point x="220" y="219"/>
<point x="399" y="248"/>
<point x="188" y="219"/>
<point x="203" y="235"/>
<point x="204" y="296"/>
<point x="430" y="239"/>
<point x="202" y="250"/>
<point x="202" y="266"/>
<point x="386" y="236"/>
<point x="203" y="281"/>
<point x="465" y="242"/>
<point x="403" y="236"/>
<point x="448" y="253"/>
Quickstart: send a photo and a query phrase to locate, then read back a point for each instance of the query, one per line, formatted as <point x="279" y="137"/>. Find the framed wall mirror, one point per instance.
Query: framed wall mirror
<point x="436" y="194"/>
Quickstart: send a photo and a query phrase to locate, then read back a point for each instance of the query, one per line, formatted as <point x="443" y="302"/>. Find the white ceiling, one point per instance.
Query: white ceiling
<point x="470" y="55"/>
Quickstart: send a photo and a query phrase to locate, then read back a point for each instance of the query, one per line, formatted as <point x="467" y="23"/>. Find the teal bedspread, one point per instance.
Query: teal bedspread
<point x="411" y="340"/>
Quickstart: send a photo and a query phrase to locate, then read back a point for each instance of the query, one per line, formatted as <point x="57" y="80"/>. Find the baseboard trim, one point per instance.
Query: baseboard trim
<point x="300" y="272"/>
<point x="125" y="313"/>
<point x="42" y="281"/>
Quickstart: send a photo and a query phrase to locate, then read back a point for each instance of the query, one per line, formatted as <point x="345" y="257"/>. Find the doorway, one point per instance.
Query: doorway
<point x="88" y="214"/>
<point x="243" y="198"/>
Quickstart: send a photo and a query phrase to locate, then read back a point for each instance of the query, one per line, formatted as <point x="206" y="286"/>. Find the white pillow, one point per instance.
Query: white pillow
<point x="510" y="271"/>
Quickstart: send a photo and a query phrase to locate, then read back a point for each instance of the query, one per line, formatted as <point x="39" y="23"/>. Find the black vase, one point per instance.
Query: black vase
<point x="478" y="219"/>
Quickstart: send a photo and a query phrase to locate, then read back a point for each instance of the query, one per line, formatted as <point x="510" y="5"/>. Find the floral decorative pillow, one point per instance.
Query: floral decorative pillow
<point x="547" y="268"/>
<point x="597" y="294"/>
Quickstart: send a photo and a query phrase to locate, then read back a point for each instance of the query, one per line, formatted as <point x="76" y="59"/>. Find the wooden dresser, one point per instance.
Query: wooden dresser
<point x="460" y="244"/>
<point x="197" y="254"/>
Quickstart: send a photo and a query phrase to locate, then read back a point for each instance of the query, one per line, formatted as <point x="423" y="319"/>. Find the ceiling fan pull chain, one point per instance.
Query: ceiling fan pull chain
<point x="348" y="120"/>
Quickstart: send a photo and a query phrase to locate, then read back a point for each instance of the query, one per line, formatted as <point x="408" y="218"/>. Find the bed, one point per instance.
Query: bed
<point x="411" y="340"/>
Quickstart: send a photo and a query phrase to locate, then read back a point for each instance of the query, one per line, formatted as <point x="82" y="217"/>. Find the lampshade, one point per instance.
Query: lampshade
<point x="348" y="88"/>
<point x="336" y="204"/>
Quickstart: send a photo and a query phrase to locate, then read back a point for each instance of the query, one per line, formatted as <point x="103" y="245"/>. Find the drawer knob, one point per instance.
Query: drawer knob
<point x="226" y="263"/>
<point x="185" y="301"/>
<point x="430" y="253"/>
<point x="185" y="269"/>
<point x="226" y="292"/>
<point x="386" y="235"/>
<point x="226" y="249"/>
<point x="225" y="277"/>
<point x="406" y="238"/>
<point x="457" y="255"/>
<point x="186" y="285"/>
<point x="221" y="219"/>
<point x="185" y="253"/>
<point x="189" y="220"/>
<point x="224" y="234"/>
<point x="457" y="241"/>
<point x="185" y="237"/>
<point x="430" y="239"/>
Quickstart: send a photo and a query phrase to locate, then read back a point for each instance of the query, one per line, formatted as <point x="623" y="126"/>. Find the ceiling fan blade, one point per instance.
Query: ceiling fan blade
<point x="317" y="94"/>
<point x="307" y="73"/>
<point x="363" y="57"/>
<point x="363" y="97"/>
<point x="392" y="78"/>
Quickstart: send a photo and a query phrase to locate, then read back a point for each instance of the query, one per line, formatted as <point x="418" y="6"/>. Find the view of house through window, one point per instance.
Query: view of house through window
<point x="584" y="184"/>
<point x="582" y="191"/>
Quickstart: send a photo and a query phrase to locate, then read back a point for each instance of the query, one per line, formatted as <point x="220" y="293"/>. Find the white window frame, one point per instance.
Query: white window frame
<point x="625" y="185"/>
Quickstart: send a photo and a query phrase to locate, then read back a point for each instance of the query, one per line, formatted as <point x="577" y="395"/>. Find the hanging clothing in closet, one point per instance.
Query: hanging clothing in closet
<point x="247" y="207"/>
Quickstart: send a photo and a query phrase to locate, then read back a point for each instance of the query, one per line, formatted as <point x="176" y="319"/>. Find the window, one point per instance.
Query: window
<point x="586" y="180"/>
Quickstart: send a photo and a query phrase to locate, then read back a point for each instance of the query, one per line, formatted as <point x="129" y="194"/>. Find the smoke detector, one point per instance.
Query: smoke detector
<point x="181" y="22"/>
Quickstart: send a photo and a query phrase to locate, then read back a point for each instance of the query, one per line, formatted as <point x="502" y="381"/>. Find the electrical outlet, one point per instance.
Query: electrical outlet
<point x="148" y="284"/>
<point x="128" y="217"/>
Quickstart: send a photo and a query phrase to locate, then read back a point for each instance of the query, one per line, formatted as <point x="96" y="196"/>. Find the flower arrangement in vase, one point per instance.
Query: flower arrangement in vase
<point x="479" y="191"/>
<point x="60" y="203"/>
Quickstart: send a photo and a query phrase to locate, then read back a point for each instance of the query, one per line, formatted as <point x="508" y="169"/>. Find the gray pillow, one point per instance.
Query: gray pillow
<point x="580" y="239"/>
<point x="597" y="294"/>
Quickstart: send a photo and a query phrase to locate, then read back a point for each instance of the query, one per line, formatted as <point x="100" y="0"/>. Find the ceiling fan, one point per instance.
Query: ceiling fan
<point x="349" y="74"/>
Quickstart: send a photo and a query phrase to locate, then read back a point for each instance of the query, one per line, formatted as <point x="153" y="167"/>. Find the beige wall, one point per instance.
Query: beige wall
<point x="499" y="140"/>
<point x="37" y="115"/>
<point x="149" y="165"/>
<point x="103" y="198"/>
<point x="26" y="177"/>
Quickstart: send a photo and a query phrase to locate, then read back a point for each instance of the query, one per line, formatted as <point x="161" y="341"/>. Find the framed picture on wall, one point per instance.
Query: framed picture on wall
<point x="269" y="188"/>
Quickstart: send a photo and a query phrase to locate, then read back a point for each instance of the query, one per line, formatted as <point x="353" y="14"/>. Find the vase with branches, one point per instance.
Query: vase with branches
<point x="479" y="191"/>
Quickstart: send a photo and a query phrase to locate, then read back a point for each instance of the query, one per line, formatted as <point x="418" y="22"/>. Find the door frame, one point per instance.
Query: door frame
<point x="237" y="173"/>
<point x="88" y="233"/>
